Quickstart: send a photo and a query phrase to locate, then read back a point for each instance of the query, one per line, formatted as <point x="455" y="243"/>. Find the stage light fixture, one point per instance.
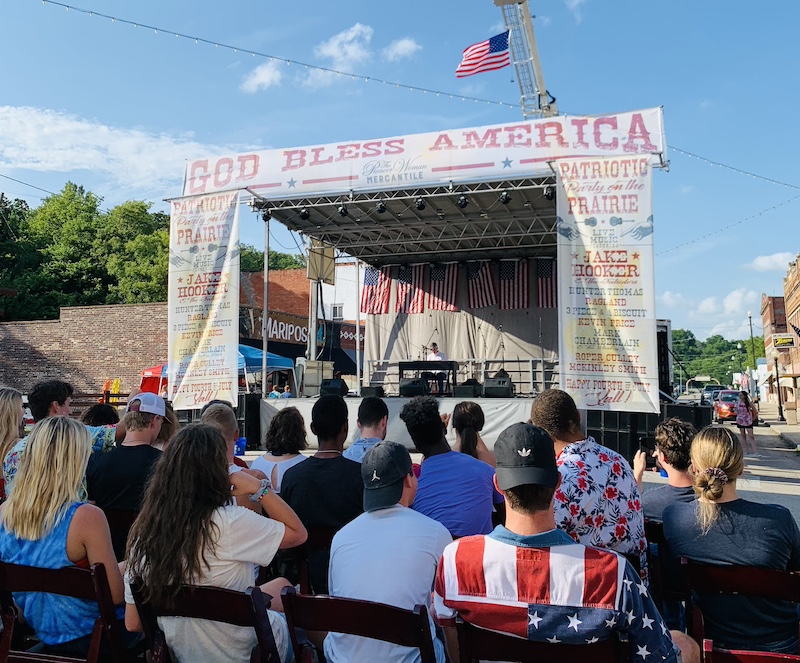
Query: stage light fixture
<point x="462" y="202"/>
<point x="305" y="215"/>
<point x="343" y="210"/>
<point x="505" y="198"/>
<point x="380" y="208"/>
<point x="549" y="192"/>
<point x="420" y="204"/>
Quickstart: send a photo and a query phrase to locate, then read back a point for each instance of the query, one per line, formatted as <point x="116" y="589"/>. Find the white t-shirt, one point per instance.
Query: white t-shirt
<point x="439" y="356"/>
<point x="246" y="540"/>
<point x="388" y="556"/>
<point x="267" y="466"/>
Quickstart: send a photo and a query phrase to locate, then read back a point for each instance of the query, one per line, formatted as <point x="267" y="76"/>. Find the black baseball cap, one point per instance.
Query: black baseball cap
<point x="525" y="455"/>
<point x="383" y="469"/>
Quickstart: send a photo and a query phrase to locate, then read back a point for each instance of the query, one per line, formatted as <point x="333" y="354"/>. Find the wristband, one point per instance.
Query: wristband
<point x="266" y="484"/>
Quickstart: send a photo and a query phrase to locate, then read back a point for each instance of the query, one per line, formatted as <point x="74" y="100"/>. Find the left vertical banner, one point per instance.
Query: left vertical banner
<point x="204" y="300"/>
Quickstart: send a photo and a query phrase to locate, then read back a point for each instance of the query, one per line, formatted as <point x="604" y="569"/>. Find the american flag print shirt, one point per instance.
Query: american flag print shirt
<point x="598" y="503"/>
<point x="547" y="588"/>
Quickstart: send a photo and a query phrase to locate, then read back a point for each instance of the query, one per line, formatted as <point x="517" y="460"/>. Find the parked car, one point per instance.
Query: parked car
<point x="725" y="405"/>
<point x="707" y="397"/>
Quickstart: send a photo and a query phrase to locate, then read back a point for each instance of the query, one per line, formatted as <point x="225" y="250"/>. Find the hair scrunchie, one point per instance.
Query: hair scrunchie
<point x="717" y="473"/>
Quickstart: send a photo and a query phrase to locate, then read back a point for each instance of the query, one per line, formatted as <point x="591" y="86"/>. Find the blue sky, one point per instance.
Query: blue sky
<point x="118" y="109"/>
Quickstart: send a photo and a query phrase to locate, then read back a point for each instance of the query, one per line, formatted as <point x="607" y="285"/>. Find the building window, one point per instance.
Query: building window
<point x="337" y="312"/>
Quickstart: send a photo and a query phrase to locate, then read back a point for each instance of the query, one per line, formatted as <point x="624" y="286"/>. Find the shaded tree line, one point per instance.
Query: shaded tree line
<point x="70" y="252"/>
<point x="716" y="356"/>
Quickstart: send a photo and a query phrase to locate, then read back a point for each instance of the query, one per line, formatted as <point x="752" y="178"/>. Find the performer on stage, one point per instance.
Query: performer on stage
<point x="436" y="355"/>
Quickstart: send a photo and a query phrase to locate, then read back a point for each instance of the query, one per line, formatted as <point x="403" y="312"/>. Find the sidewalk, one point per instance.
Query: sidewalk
<point x="789" y="434"/>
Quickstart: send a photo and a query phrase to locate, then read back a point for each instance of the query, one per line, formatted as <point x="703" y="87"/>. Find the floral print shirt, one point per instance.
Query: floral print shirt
<point x="598" y="503"/>
<point x="103" y="439"/>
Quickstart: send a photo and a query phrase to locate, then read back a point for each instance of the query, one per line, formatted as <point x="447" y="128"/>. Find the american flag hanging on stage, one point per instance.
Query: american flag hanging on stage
<point x="485" y="56"/>
<point x="375" y="293"/>
<point x="410" y="291"/>
<point x="444" y="281"/>
<point x="480" y="291"/>
<point x="514" y="290"/>
<point x="546" y="282"/>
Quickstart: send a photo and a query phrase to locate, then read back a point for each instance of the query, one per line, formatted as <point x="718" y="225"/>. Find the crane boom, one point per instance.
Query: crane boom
<point x="535" y="100"/>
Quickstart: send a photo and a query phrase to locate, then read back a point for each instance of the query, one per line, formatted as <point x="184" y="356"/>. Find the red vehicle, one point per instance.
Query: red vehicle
<point x="725" y="405"/>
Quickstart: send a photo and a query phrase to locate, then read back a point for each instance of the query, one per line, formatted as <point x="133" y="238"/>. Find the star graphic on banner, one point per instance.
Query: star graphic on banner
<point x="611" y="623"/>
<point x="631" y="617"/>
<point x="534" y="619"/>
<point x="635" y="256"/>
<point x="591" y="641"/>
<point x="180" y="280"/>
<point x="553" y="641"/>
<point x="574" y="256"/>
<point x="506" y="162"/>
<point x="603" y="221"/>
<point x="291" y="183"/>
<point x="574" y="622"/>
<point x="647" y="622"/>
<point x="642" y="651"/>
<point x="627" y="583"/>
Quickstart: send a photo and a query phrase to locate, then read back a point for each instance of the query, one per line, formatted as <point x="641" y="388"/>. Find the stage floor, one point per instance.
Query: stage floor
<point x="499" y="413"/>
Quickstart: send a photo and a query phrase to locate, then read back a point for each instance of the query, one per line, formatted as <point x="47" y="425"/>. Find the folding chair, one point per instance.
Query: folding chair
<point x="666" y="582"/>
<point x="737" y="580"/>
<point x="713" y="655"/>
<point x="406" y="628"/>
<point x="248" y="608"/>
<point x="477" y="644"/>
<point x="319" y="541"/>
<point x="120" y="522"/>
<point x="88" y="584"/>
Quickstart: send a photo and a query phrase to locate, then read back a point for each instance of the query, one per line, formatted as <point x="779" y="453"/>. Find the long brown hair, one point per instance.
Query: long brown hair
<point x="468" y="419"/>
<point x="174" y="532"/>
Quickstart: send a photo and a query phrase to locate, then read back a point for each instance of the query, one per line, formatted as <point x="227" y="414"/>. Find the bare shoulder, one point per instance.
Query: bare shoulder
<point x="89" y="515"/>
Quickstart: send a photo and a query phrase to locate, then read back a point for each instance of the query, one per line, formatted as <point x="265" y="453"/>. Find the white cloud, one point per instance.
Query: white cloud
<point x="401" y="48"/>
<point x="708" y="306"/>
<point x="132" y="160"/>
<point x="263" y="77"/>
<point x="738" y="301"/>
<point x="776" y="262"/>
<point x="575" y="7"/>
<point x="344" y="51"/>
<point x="672" y="299"/>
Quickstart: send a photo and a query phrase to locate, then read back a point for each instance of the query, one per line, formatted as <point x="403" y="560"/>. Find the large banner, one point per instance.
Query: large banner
<point x="204" y="300"/>
<point x="606" y="284"/>
<point x="506" y="151"/>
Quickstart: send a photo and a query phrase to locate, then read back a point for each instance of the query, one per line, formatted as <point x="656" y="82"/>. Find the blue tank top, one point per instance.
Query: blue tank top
<point x="56" y="619"/>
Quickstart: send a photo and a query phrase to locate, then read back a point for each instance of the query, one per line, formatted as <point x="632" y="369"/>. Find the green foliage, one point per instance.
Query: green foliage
<point x="70" y="252"/>
<point x="716" y="356"/>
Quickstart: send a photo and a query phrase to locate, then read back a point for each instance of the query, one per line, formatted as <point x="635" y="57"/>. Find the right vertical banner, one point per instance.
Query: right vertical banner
<point x="606" y="283"/>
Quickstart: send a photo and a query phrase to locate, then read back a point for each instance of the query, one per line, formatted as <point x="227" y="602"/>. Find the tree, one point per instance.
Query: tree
<point x="716" y="356"/>
<point x="252" y="260"/>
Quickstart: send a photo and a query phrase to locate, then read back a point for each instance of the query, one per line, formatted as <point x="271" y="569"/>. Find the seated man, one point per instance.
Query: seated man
<point x="598" y="503"/>
<point x="673" y="444"/>
<point x="372" y="418"/>
<point x="388" y="555"/>
<point x="325" y="490"/>
<point x="531" y="580"/>
<point x="454" y="488"/>
<point x="49" y="399"/>
<point x="116" y="480"/>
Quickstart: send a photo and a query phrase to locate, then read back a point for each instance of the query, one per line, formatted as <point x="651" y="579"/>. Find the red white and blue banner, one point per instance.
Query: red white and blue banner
<point x="606" y="283"/>
<point x="203" y="300"/>
<point x="507" y="151"/>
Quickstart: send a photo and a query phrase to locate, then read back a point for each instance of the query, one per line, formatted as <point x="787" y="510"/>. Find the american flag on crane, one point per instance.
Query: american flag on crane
<point x="485" y="56"/>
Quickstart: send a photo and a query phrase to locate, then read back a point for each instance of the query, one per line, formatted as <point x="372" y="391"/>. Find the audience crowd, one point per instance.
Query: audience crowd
<point x="541" y="537"/>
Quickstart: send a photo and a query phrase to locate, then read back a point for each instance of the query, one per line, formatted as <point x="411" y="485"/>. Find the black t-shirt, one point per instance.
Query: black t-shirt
<point x="656" y="500"/>
<point x="116" y="479"/>
<point x="745" y="533"/>
<point x="324" y="492"/>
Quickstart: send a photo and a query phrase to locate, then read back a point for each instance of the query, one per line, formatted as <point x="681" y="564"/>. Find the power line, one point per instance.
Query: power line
<point x="733" y="168"/>
<point x="32" y="186"/>
<point x="287" y="61"/>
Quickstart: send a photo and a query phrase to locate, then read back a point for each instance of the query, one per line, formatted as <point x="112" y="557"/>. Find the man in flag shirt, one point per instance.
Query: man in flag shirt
<point x="531" y="580"/>
<point x="598" y="503"/>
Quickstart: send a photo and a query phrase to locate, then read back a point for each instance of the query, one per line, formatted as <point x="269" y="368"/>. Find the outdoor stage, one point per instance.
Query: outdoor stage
<point x="499" y="412"/>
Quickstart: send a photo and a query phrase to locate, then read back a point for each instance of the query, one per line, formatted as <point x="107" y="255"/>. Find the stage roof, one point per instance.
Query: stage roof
<point x="441" y="232"/>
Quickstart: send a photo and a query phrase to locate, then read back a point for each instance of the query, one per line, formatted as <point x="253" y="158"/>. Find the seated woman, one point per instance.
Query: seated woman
<point x="285" y="439"/>
<point x="468" y="421"/>
<point x="221" y="544"/>
<point x="12" y="420"/>
<point x="722" y="528"/>
<point x="44" y="523"/>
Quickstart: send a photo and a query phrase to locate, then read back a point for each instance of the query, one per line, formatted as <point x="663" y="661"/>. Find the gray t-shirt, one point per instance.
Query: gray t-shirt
<point x="654" y="501"/>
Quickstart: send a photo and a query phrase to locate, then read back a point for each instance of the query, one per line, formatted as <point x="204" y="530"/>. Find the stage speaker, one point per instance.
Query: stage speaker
<point x="333" y="388"/>
<point x="467" y="391"/>
<point x="498" y="388"/>
<point x="377" y="392"/>
<point x="410" y="387"/>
